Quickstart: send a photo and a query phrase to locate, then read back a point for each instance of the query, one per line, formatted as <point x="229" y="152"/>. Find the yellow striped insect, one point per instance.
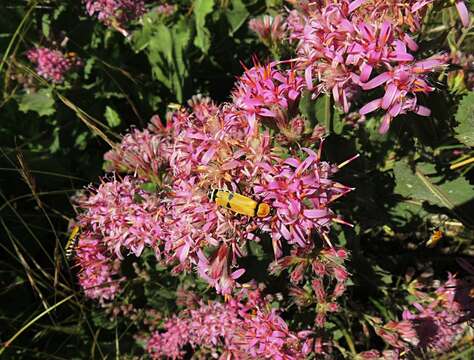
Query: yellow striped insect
<point x="239" y="203"/>
<point x="71" y="242"/>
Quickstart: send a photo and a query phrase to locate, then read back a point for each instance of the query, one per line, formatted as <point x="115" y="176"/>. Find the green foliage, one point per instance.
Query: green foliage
<point x="236" y="15"/>
<point x="202" y="8"/>
<point x="112" y="117"/>
<point x="423" y="183"/>
<point x="465" y="118"/>
<point x="41" y="102"/>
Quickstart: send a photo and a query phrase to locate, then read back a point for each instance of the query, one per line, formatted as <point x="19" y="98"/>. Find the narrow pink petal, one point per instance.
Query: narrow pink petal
<point x="385" y="32"/>
<point x="463" y="13"/>
<point x="366" y="70"/>
<point x="238" y="273"/>
<point x="355" y="4"/>
<point x="371" y="106"/>
<point x="394" y="110"/>
<point x="377" y="81"/>
<point x="412" y="45"/>
<point x="315" y="213"/>
<point x="385" y="124"/>
<point x="423" y="111"/>
<point x="390" y="94"/>
<point x="208" y="155"/>
<point x="308" y="76"/>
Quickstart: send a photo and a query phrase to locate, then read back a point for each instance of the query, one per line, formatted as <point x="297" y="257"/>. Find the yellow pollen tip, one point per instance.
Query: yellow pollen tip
<point x="263" y="210"/>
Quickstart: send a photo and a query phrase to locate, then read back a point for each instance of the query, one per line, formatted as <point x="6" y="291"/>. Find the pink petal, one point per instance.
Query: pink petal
<point x="385" y="124"/>
<point x="385" y="32"/>
<point x="355" y="4"/>
<point x="412" y="45"/>
<point x="395" y="109"/>
<point x="371" y="106"/>
<point x="315" y="213"/>
<point x="208" y="155"/>
<point x="423" y="111"/>
<point x="390" y="93"/>
<point x="377" y="81"/>
<point x="308" y="76"/>
<point x="238" y="273"/>
<point x="366" y="70"/>
<point x="463" y="13"/>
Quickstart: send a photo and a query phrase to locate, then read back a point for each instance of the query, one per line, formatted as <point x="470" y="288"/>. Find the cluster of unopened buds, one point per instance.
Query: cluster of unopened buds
<point x="53" y="64"/>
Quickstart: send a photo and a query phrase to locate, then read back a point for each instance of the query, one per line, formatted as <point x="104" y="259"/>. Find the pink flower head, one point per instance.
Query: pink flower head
<point x="144" y="152"/>
<point x="52" y="64"/>
<point x="270" y="30"/>
<point x="300" y="191"/>
<point x="401" y="86"/>
<point x="240" y="328"/>
<point x="98" y="270"/>
<point x="264" y="92"/>
<point x="125" y="216"/>
<point x="115" y="12"/>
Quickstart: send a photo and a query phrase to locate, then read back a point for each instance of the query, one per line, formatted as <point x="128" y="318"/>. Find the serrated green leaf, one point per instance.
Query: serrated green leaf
<point x="203" y="37"/>
<point x="423" y="183"/>
<point x="41" y="102"/>
<point x="112" y="117"/>
<point x="465" y="118"/>
<point x="236" y="15"/>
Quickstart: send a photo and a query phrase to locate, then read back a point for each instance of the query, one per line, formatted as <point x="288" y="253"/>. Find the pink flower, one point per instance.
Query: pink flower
<point x="270" y="30"/>
<point x="124" y="216"/>
<point x="52" y="64"/>
<point x="117" y="12"/>
<point x="238" y="329"/>
<point x="98" y="269"/>
<point x="144" y="152"/>
<point x="300" y="191"/>
<point x="401" y="86"/>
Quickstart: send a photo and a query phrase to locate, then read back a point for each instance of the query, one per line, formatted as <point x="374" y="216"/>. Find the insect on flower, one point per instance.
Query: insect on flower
<point x="435" y="237"/>
<point x="239" y="203"/>
<point x="71" y="242"/>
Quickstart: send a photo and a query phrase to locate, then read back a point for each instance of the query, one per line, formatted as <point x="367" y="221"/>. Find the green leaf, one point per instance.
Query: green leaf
<point x="41" y="102"/>
<point x="46" y="24"/>
<point x="465" y="118"/>
<point x="203" y="37"/>
<point x="237" y="15"/>
<point x="323" y="111"/>
<point x="149" y="187"/>
<point x="424" y="183"/>
<point x="112" y="117"/>
<point x="166" y="48"/>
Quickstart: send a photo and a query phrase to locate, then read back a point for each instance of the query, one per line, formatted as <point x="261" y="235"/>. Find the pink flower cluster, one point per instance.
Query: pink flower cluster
<point x="346" y="47"/>
<point x="240" y="329"/>
<point x="98" y="274"/>
<point x="117" y="216"/>
<point x="124" y="215"/>
<point x="437" y="320"/>
<point x="144" y="153"/>
<point x="52" y="64"/>
<point x="209" y="147"/>
<point x="115" y="12"/>
<point x="166" y="9"/>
